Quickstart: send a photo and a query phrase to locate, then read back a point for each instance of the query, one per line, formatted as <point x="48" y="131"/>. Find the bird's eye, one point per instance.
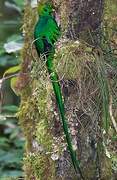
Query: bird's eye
<point x="46" y="10"/>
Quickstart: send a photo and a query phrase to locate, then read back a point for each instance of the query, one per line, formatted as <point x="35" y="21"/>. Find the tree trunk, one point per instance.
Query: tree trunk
<point x="85" y="19"/>
<point x="47" y="157"/>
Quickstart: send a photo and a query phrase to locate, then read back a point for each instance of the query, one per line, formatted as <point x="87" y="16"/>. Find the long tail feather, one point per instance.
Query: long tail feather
<point x="57" y="90"/>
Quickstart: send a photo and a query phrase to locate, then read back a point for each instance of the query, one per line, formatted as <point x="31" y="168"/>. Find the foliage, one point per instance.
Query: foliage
<point x="11" y="148"/>
<point x="11" y="139"/>
<point x="7" y="61"/>
<point x="104" y="90"/>
<point x="19" y="3"/>
<point x="9" y="109"/>
<point x="13" y="44"/>
<point x="12" y="70"/>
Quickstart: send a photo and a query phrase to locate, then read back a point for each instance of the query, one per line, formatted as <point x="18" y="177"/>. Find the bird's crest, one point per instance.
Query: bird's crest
<point x="45" y="8"/>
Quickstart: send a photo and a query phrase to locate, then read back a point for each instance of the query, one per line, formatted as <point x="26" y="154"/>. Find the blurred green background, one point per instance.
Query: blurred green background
<point x="11" y="42"/>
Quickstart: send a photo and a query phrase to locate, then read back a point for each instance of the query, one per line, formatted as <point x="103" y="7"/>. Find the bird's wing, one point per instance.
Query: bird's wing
<point x="51" y="31"/>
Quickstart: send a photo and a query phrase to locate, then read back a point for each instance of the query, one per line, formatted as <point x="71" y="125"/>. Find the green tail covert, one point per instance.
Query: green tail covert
<point x="46" y="33"/>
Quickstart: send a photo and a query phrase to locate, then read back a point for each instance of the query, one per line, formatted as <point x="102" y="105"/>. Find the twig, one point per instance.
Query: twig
<point x="111" y="115"/>
<point x="8" y="77"/>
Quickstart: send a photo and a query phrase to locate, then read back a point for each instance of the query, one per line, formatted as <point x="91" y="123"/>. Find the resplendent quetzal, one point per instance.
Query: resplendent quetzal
<point x="46" y="33"/>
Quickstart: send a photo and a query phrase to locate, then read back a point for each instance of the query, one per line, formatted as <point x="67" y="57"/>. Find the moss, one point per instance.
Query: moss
<point x="36" y="109"/>
<point x="73" y="60"/>
<point x="42" y="167"/>
<point x="36" y="124"/>
<point x="106" y="169"/>
<point x="71" y="57"/>
<point x="34" y="115"/>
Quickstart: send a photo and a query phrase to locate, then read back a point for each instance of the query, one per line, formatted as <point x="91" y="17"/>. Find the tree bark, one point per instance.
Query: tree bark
<point x="84" y="19"/>
<point x="47" y="157"/>
<point x="85" y="16"/>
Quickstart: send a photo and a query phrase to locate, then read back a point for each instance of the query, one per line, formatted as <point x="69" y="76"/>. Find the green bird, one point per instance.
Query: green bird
<point x="46" y="33"/>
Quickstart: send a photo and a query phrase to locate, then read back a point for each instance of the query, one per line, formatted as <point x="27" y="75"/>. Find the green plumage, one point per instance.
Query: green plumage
<point x="46" y="33"/>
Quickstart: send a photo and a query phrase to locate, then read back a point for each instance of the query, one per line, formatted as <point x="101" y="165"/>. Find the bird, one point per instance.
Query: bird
<point x="46" y="34"/>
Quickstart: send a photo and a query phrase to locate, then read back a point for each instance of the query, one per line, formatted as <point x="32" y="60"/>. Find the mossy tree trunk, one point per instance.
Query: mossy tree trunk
<point x="46" y="155"/>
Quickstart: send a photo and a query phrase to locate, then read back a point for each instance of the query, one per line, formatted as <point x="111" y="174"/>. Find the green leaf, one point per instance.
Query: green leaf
<point x="8" y="60"/>
<point x="9" y="130"/>
<point x="13" y="84"/>
<point x="19" y="3"/>
<point x="13" y="46"/>
<point x="6" y="174"/>
<point x="19" y="143"/>
<point x="12" y="70"/>
<point x="14" y="43"/>
<point x="11" y="157"/>
<point x="14" y="133"/>
<point x="6" y="121"/>
<point x="3" y="139"/>
<point x="2" y="51"/>
<point x="4" y="143"/>
<point x="2" y="152"/>
<point x="10" y="108"/>
<point x="15" y="37"/>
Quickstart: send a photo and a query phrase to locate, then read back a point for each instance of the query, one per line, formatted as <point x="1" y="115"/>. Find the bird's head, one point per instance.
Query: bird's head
<point x="45" y="9"/>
